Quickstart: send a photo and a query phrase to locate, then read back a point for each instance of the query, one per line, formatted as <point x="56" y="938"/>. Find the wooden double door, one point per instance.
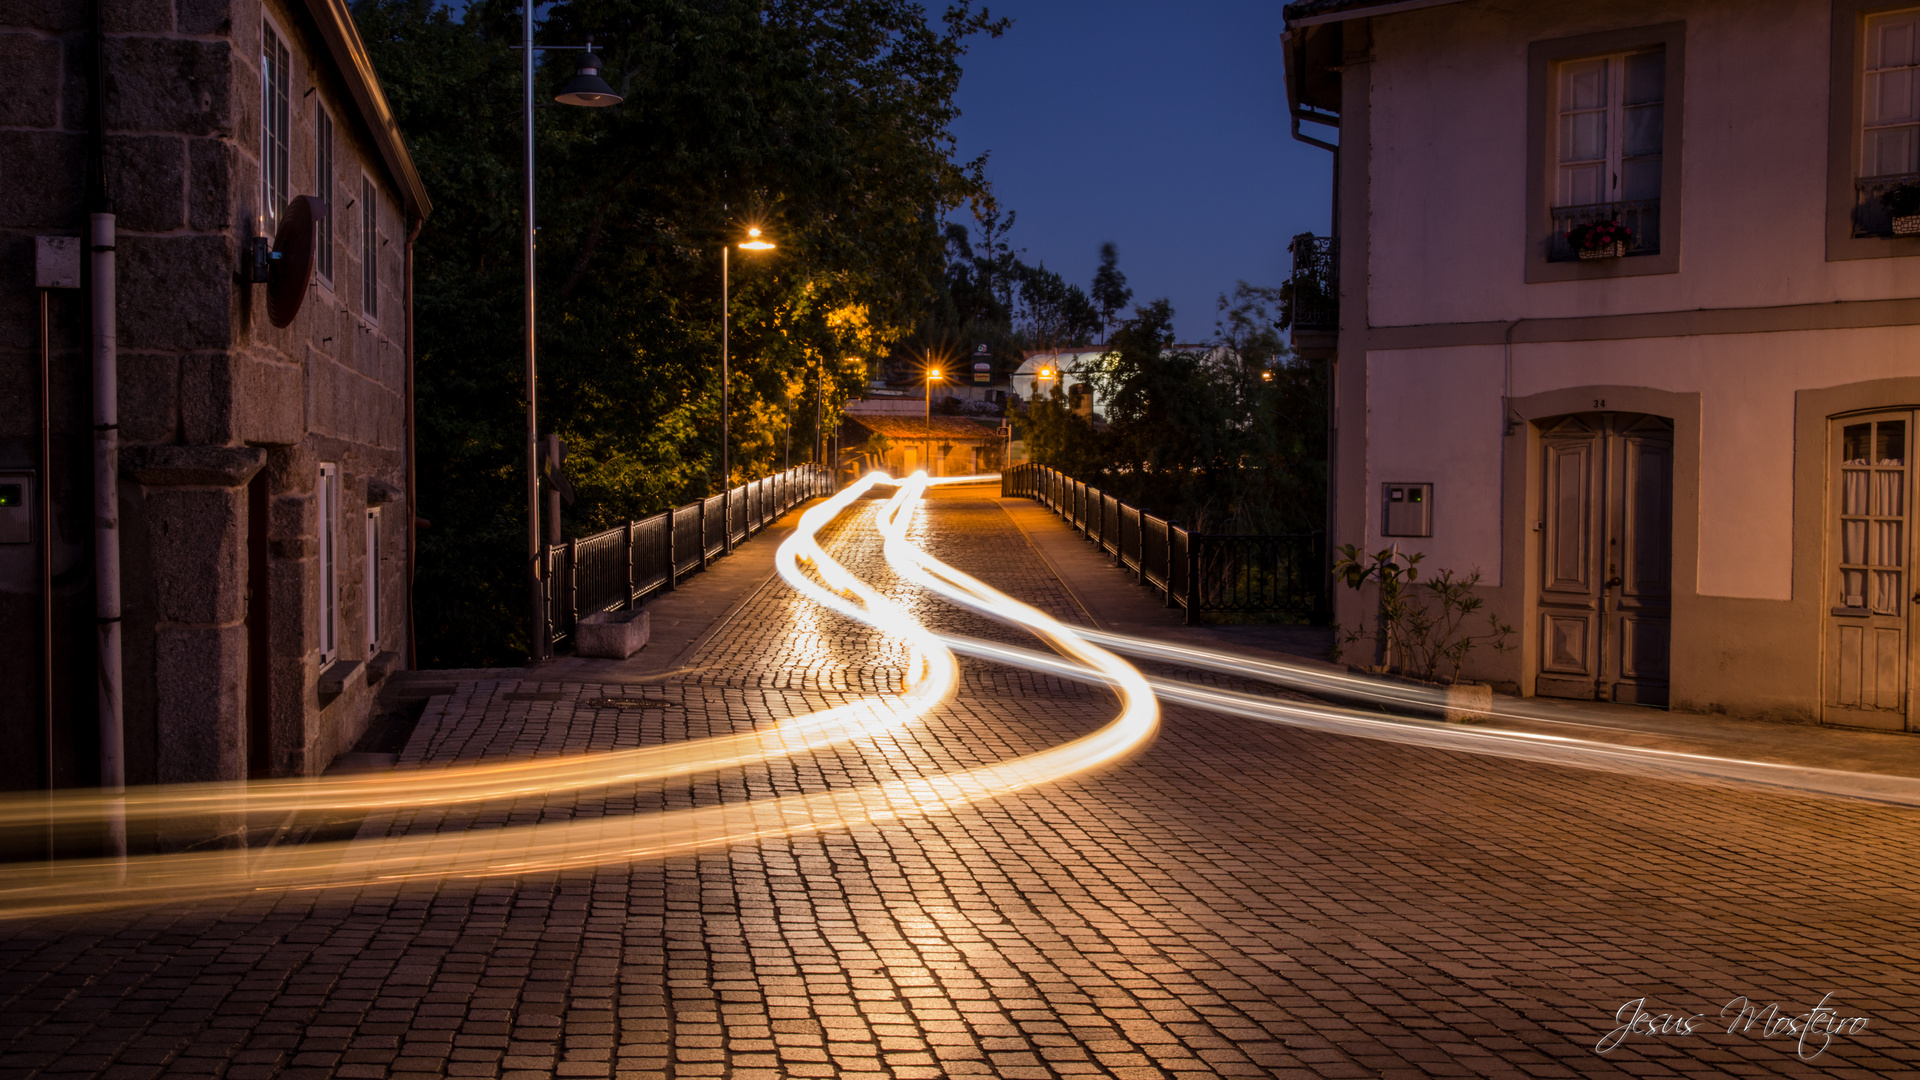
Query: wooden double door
<point x="1870" y="591"/>
<point x="1605" y="598"/>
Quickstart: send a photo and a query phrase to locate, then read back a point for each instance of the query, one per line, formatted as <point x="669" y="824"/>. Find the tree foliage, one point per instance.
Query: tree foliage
<point x="825" y="123"/>
<point x="1228" y="437"/>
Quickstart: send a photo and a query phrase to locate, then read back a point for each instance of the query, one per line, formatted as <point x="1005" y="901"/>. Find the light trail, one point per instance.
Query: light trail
<point x="92" y="885"/>
<point x="929" y="681"/>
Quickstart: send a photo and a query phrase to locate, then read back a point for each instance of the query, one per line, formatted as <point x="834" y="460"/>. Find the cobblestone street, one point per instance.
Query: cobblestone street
<point x="1235" y="900"/>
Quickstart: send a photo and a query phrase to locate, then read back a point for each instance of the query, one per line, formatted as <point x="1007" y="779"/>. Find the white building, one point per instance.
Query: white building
<point x="1684" y="465"/>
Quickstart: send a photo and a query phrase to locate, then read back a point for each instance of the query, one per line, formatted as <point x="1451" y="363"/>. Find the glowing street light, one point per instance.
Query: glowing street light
<point x="752" y="243"/>
<point x="934" y="375"/>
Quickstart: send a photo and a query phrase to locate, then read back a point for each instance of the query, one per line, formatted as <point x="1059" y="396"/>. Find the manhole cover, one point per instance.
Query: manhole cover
<point x="624" y="703"/>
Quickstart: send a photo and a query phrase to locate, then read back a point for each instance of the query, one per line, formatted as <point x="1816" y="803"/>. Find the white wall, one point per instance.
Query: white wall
<point x="1434" y="415"/>
<point x="1449" y="168"/>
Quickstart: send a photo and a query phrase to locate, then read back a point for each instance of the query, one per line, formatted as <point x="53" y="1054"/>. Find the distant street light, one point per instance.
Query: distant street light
<point x="585" y="88"/>
<point x="934" y="375"/>
<point x="752" y="243"/>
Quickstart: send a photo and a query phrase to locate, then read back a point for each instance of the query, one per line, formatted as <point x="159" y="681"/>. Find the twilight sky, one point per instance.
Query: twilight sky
<point x="1159" y="126"/>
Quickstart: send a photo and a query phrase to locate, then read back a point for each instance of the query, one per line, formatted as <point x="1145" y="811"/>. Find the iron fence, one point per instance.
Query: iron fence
<point x="1640" y="216"/>
<point x="1202" y="572"/>
<point x="633" y="561"/>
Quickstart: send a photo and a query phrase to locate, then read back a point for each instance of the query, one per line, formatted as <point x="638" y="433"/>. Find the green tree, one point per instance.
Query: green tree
<point x="824" y="123"/>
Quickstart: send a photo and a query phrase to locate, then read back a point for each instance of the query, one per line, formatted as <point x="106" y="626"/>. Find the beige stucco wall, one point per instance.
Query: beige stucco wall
<point x="1448" y="167"/>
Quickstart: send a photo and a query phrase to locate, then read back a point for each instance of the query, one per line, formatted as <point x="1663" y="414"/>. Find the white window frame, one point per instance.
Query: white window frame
<point x="369" y="250"/>
<point x="1612" y="111"/>
<point x="324" y="169"/>
<point x="1876" y="73"/>
<point x="327" y="505"/>
<point x="276" y="62"/>
<point x="372" y="578"/>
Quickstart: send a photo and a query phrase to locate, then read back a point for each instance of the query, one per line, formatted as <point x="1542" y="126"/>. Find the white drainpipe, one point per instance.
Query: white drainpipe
<point x="106" y="530"/>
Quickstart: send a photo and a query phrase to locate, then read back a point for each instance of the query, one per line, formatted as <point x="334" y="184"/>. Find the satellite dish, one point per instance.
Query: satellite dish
<point x="292" y="265"/>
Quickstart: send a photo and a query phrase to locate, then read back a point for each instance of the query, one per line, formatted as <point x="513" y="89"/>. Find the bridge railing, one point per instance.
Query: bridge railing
<point x="1205" y="573"/>
<point x="637" y="559"/>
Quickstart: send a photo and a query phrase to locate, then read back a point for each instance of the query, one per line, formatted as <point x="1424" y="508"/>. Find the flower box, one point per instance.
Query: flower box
<point x="1615" y="250"/>
<point x="1906" y="225"/>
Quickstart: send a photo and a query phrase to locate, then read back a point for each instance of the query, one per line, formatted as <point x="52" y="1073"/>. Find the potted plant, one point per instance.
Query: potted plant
<point x="1599" y="239"/>
<point x="1903" y="204"/>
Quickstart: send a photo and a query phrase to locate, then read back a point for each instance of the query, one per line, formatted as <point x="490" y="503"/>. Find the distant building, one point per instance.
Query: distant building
<point x="265" y="474"/>
<point x="902" y="443"/>
<point x="1622" y="306"/>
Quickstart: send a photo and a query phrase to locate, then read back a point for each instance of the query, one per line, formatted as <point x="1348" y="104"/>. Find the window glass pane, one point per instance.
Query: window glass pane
<point x="1583" y="85"/>
<point x="1886" y="591"/>
<point x="1853" y="445"/>
<point x="1583" y="136"/>
<point x="1891" y="40"/>
<point x="1853" y="588"/>
<point x="1640" y="178"/>
<point x="1581" y="185"/>
<point x="1854" y="493"/>
<point x="1886" y="544"/>
<point x="323" y="190"/>
<point x="1646" y="77"/>
<point x="1891" y="446"/>
<point x="1853" y="542"/>
<point x="1645" y="130"/>
<point x="1887" y="494"/>
<point x="1892" y="151"/>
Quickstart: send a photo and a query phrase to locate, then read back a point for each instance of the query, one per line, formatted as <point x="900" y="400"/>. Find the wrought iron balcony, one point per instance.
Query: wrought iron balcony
<point x="1641" y="217"/>
<point x="1312" y="301"/>
<point x="1870" y="215"/>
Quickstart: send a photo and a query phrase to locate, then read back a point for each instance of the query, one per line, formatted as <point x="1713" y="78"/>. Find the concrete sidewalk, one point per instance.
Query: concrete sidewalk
<point x="1112" y="599"/>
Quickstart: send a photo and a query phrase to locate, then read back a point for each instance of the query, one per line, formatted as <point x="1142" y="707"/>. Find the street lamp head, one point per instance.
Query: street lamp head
<point x="935" y="375"/>
<point x="754" y="243"/>
<point x="1046" y="373"/>
<point x="587" y="87"/>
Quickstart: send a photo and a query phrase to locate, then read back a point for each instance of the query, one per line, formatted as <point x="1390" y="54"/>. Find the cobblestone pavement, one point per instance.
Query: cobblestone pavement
<point x="1237" y="900"/>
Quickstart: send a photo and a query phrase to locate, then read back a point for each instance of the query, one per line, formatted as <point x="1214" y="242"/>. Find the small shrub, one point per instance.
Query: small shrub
<point x="1423" y="625"/>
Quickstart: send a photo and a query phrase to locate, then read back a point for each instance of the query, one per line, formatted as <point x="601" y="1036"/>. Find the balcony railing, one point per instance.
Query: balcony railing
<point x="1870" y="215"/>
<point x="1641" y="217"/>
<point x="1312" y="301"/>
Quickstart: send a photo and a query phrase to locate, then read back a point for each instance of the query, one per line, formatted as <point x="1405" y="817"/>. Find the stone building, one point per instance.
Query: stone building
<point x="264" y="471"/>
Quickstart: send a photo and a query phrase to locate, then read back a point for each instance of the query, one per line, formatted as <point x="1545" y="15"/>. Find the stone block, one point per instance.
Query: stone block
<point x="32" y="64"/>
<point x="149" y="181"/>
<point x="210" y="168"/>
<point x="149" y="397"/>
<point x="336" y="678"/>
<point x="382" y="666"/>
<point x="199" y="552"/>
<point x="267" y="402"/>
<point x="205" y="16"/>
<point x="44" y="14"/>
<point x="199" y="687"/>
<point x="612" y="635"/>
<point x="135" y="17"/>
<point x="176" y="292"/>
<point x="196" y="466"/>
<point x="42" y="180"/>
<point x="290" y="470"/>
<point x="170" y="85"/>
<point x="207" y="398"/>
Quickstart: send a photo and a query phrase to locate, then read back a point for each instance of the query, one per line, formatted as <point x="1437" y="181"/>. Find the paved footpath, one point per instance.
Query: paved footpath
<point x="1234" y="900"/>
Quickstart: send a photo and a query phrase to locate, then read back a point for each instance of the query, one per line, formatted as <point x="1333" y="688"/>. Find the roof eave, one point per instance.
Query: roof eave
<point x="356" y="67"/>
<point x="1366" y="10"/>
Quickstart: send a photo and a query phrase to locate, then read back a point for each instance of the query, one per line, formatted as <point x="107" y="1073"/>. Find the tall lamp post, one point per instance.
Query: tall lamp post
<point x="753" y="242"/>
<point x="934" y="375"/>
<point x="589" y="89"/>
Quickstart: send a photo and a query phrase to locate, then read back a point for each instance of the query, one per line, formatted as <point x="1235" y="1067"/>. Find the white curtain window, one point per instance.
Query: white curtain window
<point x="274" y="62"/>
<point x="1611" y="127"/>
<point x="327" y="498"/>
<point x="369" y="251"/>
<point x="323" y="189"/>
<point x="373" y="582"/>
<point x="1890" y="141"/>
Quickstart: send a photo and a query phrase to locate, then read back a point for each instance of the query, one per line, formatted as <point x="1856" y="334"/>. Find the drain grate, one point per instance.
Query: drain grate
<point x="625" y="703"/>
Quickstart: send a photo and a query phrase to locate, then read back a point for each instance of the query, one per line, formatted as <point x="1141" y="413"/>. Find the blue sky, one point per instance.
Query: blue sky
<point x="1159" y="126"/>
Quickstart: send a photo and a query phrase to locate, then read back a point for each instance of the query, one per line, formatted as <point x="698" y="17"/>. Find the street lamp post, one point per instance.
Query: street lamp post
<point x="933" y="375"/>
<point x="753" y="242"/>
<point x="589" y="89"/>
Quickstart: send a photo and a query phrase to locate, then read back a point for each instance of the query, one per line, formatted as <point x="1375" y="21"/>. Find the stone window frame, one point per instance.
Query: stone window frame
<point x="374" y="607"/>
<point x="1542" y="57"/>
<point x="369" y="250"/>
<point x="327" y="561"/>
<point x="1844" y="101"/>
<point x="326" y="167"/>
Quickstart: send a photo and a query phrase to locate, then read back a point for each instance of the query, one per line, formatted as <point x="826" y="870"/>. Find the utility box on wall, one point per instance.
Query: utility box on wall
<point x="1406" y="510"/>
<point x="16" y="508"/>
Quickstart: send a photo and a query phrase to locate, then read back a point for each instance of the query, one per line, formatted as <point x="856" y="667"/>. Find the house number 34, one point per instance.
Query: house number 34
<point x="1599" y="403"/>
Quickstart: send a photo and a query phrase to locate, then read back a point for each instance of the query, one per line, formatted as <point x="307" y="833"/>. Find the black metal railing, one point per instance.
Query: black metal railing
<point x="1641" y="217"/>
<point x="631" y="562"/>
<point x="1870" y="214"/>
<point x="1202" y="572"/>
<point x="1312" y="301"/>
